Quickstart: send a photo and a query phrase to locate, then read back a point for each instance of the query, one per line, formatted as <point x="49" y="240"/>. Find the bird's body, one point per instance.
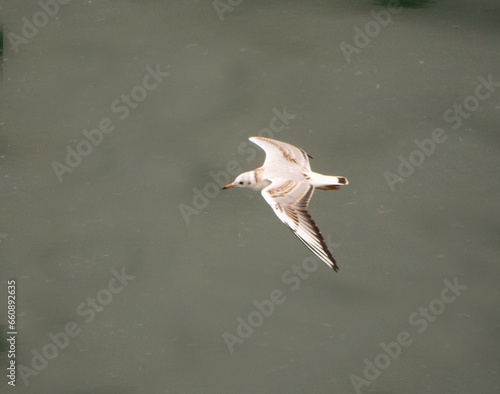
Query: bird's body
<point x="287" y="183"/>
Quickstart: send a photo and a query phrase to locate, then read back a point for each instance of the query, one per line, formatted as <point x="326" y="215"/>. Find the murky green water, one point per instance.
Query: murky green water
<point x="135" y="273"/>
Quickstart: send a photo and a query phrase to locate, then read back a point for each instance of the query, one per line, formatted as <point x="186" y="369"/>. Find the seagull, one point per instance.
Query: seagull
<point x="287" y="184"/>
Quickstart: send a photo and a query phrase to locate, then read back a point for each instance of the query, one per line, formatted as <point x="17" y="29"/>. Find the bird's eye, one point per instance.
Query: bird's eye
<point x="241" y="183"/>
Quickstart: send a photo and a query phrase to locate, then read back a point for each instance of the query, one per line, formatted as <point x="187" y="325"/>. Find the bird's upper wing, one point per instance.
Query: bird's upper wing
<point x="289" y="200"/>
<point x="280" y="154"/>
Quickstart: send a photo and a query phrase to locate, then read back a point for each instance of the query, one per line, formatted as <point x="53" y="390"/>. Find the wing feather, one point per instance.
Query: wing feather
<point x="289" y="200"/>
<point x="280" y="154"/>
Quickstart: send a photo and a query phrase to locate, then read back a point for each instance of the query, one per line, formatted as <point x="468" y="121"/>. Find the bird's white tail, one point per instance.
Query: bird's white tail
<point x="326" y="182"/>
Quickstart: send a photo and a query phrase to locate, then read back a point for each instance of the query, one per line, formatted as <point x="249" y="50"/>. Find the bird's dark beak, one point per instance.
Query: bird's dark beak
<point x="229" y="186"/>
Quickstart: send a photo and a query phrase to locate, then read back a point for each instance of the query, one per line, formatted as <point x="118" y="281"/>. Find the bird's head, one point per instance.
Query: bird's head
<point x="247" y="179"/>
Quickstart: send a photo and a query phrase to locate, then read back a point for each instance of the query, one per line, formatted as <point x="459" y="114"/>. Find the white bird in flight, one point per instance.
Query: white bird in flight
<point x="287" y="184"/>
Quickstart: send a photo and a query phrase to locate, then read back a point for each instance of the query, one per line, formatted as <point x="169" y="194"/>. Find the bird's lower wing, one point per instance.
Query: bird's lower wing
<point x="289" y="202"/>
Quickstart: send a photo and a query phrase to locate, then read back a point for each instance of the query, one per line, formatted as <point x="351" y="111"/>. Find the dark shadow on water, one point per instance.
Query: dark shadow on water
<point x="405" y="3"/>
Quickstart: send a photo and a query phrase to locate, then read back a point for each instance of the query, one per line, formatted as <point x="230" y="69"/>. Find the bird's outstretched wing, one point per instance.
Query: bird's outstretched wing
<point x="289" y="200"/>
<point x="280" y="154"/>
